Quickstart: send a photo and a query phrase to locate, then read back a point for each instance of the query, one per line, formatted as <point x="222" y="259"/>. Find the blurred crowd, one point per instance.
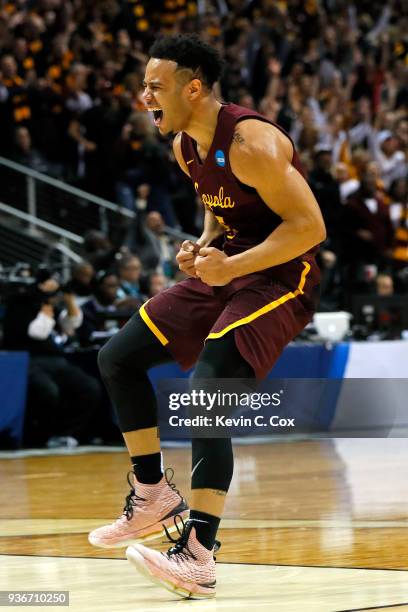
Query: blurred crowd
<point x="332" y="73"/>
<point x="62" y="326"/>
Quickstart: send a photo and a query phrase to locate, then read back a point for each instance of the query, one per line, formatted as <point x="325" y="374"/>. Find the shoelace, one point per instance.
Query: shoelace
<point x="132" y="499"/>
<point x="180" y="550"/>
<point x="168" y="478"/>
<point x="180" y="547"/>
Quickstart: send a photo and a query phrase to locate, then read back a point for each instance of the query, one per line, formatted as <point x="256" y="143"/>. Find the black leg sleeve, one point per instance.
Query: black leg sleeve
<point x="123" y="363"/>
<point x="212" y="458"/>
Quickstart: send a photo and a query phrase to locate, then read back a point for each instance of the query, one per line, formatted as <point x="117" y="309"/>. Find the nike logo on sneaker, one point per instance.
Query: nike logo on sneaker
<point x="208" y="585"/>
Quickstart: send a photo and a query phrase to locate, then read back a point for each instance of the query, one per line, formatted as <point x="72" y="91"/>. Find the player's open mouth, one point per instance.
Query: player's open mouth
<point x="158" y="115"/>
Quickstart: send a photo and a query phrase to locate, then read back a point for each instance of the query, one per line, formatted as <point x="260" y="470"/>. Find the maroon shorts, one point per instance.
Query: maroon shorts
<point x="265" y="310"/>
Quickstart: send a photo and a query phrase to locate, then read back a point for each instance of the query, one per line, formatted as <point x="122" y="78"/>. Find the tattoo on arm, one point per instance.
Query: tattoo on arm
<point x="237" y="138"/>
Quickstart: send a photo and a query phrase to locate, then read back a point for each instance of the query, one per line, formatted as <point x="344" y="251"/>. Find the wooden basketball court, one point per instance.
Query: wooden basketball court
<point x="315" y="526"/>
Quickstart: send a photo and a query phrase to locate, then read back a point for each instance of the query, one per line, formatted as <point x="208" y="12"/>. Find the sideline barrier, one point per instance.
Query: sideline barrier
<point x="366" y="396"/>
<point x="13" y="388"/>
<point x="373" y="360"/>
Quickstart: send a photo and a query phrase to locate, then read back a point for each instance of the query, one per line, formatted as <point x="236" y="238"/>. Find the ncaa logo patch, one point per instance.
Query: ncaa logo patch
<point x="220" y="158"/>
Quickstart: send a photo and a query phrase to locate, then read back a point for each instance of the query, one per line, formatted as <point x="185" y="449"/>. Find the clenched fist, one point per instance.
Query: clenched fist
<point x="211" y="266"/>
<point x="186" y="257"/>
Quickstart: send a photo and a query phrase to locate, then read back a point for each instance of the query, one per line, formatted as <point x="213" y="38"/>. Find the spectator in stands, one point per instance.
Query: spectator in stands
<point x="95" y="130"/>
<point x="391" y="159"/>
<point x="156" y="283"/>
<point x="347" y="185"/>
<point x="327" y="191"/>
<point x="14" y="102"/>
<point x="62" y="400"/>
<point x="388" y="320"/>
<point x="398" y="193"/>
<point x="401" y="132"/>
<point x="77" y="99"/>
<point x="384" y="285"/>
<point x="368" y="228"/>
<point x="147" y="237"/>
<point x="331" y="286"/>
<point x="99" y="250"/>
<point x="25" y="154"/>
<point x="80" y="285"/>
<point x="103" y="313"/>
<point x="142" y="160"/>
<point x="360" y="158"/>
<point x="130" y="270"/>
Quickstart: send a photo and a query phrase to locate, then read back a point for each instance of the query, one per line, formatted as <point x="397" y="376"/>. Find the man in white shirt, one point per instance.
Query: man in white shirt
<point x="391" y="160"/>
<point x="62" y="399"/>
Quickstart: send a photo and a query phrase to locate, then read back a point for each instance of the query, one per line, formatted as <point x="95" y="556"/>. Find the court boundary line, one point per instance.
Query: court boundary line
<point x="316" y="524"/>
<point x="369" y="569"/>
<point x="23" y="453"/>
<point x="226" y="518"/>
<point x="405" y="603"/>
<point x="306" y="526"/>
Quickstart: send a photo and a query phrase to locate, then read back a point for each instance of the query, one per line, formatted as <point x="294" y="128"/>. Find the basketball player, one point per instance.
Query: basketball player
<point x="250" y="290"/>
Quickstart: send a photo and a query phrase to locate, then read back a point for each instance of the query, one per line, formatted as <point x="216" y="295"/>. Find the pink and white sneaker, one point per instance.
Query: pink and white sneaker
<point x="148" y="511"/>
<point x="186" y="569"/>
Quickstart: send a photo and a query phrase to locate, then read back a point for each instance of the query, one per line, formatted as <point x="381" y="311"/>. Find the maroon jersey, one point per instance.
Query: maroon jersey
<point x="265" y="310"/>
<point x="245" y="217"/>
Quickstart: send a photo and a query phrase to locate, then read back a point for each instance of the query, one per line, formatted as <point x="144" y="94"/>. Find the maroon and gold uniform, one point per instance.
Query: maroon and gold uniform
<point x="265" y="310"/>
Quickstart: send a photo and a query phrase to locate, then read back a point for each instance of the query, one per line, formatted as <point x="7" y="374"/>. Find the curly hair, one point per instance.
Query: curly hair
<point x="189" y="51"/>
